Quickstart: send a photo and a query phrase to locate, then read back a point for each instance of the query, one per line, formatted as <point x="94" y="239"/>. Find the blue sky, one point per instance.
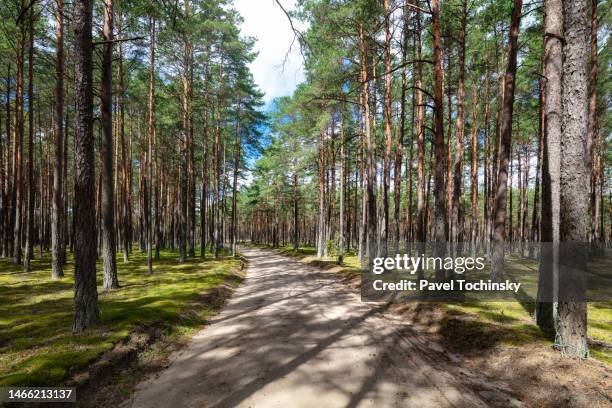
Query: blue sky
<point x="273" y="73"/>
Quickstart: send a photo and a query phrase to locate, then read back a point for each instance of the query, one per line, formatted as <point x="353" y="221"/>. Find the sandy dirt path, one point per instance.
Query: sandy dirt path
<point x="292" y="337"/>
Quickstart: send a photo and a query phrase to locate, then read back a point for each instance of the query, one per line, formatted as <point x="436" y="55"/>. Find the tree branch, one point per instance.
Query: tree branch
<point x="296" y="34"/>
<point x="118" y="40"/>
<point x="24" y="10"/>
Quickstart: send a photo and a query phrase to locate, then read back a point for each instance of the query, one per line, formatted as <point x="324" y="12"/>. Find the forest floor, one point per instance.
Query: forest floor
<point x="483" y="324"/>
<point x="141" y="322"/>
<point x="295" y="335"/>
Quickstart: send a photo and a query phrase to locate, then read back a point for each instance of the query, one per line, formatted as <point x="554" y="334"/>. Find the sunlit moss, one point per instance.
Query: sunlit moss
<point x="37" y="346"/>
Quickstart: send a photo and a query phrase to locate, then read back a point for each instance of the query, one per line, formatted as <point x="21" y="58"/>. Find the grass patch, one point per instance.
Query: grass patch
<point x="497" y="323"/>
<point x="351" y="266"/>
<point x="37" y="346"/>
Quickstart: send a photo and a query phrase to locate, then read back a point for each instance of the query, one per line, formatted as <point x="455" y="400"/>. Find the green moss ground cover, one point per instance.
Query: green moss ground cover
<point x="37" y="346"/>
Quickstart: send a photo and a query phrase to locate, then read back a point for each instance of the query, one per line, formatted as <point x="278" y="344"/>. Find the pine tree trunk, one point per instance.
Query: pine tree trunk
<point x="448" y="163"/>
<point x="499" y="234"/>
<point x="593" y="147"/>
<point x="86" y="294"/>
<point x="185" y="166"/>
<point x="535" y="215"/>
<point x="342" y="188"/>
<point x="372" y="233"/>
<point x="497" y="135"/>
<point x="235" y="182"/>
<point x="474" y="170"/>
<point x="66" y="237"/>
<point x="110" y="280"/>
<point x="571" y="337"/>
<point x="321" y="230"/>
<point x="18" y="149"/>
<point x="399" y="143"/>
<point x="295" y="211"/>
<point x="458" y="165"/>
<point x="205" y="178"/>
<point x="152" y="159"/>
<point x="29" y="233"/>
<point x="192" y="174"/>
<point x="3" y="197"/>
<point x="224" y="184"/>
<point x="9" y="192"/>
<point x="388" y="141"/>
<point x="362" y="161"/>
<point x="125" y="185"/>
<point x="524" y="222"/>
<point x="147" y="198"/>
<point x="487" y="160"/>
<point x="152" y="128"/>
<point x="439" y="148"/>
<point x="217" y="183"/>
<point x="421" y="229"/>
<point x="546" y="309"/>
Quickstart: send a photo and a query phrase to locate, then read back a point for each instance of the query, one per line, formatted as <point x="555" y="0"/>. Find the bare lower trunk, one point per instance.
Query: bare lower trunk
<point x="18" y="151"/>
<point x="205" y="180"/>
<point x="110" y="280"/>
<point x="235" y="183"/>
<point x="151" y="156"/>
<point x="86" y="294"/>
<point x="9" y="192"/>
<point x="57" y="214"/>
<point x="362" y="166"/>
<point x="474" y="170"/>
<point x="571" y="336"/>
<point x="372" y="235"/>
<point x="387" y="157"/>
<point x="184" y="178"/>
<point x="535" y="215"/>
<point x="321" y="232"/>
<point x="342" y="187"/>
<point x="593" y="147"/>
<point x="525" y="200"/>
<point x="29" y="232"/>
<point x="216" y="241"/>
<point x="439" y="148"/>
<point x="499" y="233"/>
<point x="125" y="185"/>
<point x="399" y="144"/>
<point x="421" y="234"/>
<point x="458" y="165"/>
<point x="295" y="211"/>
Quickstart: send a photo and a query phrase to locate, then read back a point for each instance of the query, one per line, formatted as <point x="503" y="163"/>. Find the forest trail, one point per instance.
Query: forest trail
<point x="292" y="337"/>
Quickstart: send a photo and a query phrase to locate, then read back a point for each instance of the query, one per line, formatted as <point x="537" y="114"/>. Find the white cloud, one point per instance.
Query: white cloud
<point x="264" y="20"/>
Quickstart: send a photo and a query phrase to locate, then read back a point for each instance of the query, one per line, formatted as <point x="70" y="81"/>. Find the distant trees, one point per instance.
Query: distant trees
<point x="370" y="154"/>
<point x="106" y="181"/>
<point x="481" y="91"/>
